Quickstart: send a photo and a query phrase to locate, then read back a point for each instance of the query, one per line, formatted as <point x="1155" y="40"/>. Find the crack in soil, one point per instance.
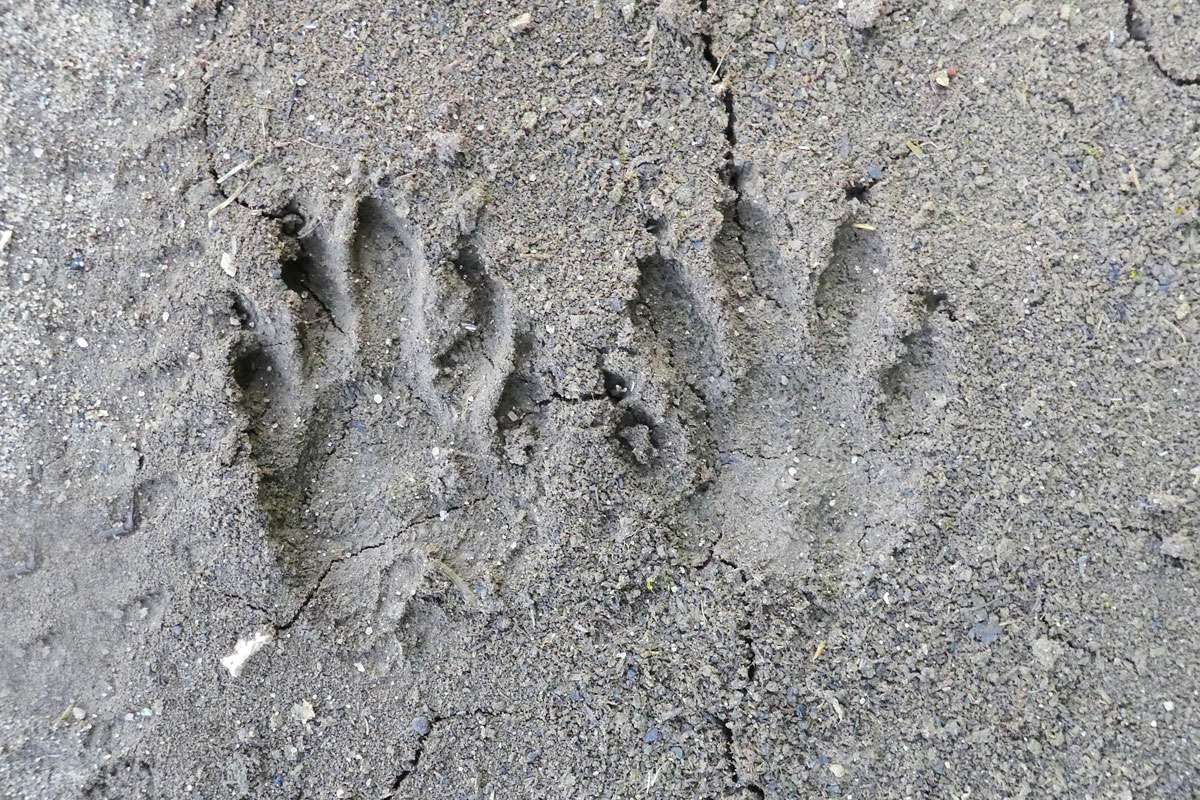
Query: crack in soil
<point x="749" y="663"/>
<point x="729" y="173"/>
<point x="1136" y="29"/>
<point x="434" y="721"/>
<point x="354" y="553"/>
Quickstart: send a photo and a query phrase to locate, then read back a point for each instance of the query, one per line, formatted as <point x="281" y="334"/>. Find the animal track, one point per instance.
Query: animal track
<point x="666" y="398"/>
<point x="360" y="308"/>
<point x="387" y="267"/>
<point x="906" y="384"/>
<point x="805" y="473"/>
<point x="466" y="335"/>
<point x="853" y="273"/>
<point x="519" y="410"/>
<point x="468" y="301"/>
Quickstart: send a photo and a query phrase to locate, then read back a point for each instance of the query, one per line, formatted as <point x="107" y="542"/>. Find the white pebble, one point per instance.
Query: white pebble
<point x="378" y="399"/>
<point x="82" y="342"/>
<point x="521" y="24"/>
<point x="235" y="661"/>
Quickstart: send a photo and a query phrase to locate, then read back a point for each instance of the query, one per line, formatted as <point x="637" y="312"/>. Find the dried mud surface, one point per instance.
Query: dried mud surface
<point x="600" y="400"/>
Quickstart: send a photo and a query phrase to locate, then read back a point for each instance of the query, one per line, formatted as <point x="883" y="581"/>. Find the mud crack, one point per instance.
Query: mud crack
<point x="357" y="551"/>
<point x="749" y="665"/>
<point x="1136" y="28"/>
<point x="434" y="721"/>
<point x="729" y="174"/>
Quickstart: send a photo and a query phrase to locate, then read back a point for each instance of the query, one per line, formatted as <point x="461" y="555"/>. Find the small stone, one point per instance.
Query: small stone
<point x="1168" y="706"/>
<point x="244" y="649"/>
<point x="652" y="736"/>
<point x="1182" y="310"/>
<point x="81" y="342"/>
<point x="628" y="10"/>
<point x="1047" y="652"/>
<point x="78" y="713"/>
<point x="303" y="711"/>
<point x="227" y="265"/>
<point x="986" y="632"/>
<point x="448" y="146"/>
<point x="838" y="771"/>
<point x="862" y="14"/>
<point x="521" y="24"/>
<point x="378" y="399"/>
<point x="421" y="726"/>
<point x="1177" y="545"/>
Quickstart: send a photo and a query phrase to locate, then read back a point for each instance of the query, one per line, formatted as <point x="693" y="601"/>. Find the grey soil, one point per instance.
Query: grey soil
<point x="600" y="400"/>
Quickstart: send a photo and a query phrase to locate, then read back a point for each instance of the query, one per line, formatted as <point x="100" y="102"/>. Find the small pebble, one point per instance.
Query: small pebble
<point x="421" y="726"/>
<point x="82" y="342"/>
<point x="521" y="24"/>
<point x="378" y="399"/>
